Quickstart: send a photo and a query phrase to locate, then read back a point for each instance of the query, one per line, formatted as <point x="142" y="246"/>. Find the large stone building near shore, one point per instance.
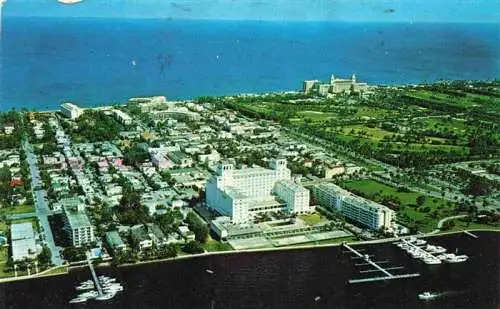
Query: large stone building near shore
<point x="242" y="194"/>
<point x="336" y="85"/>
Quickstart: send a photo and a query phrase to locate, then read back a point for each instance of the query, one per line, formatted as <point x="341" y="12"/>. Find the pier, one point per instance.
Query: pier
<point x="471" y="235"/>
<point x="94" y="277"/>
<point x="377" y="268"/>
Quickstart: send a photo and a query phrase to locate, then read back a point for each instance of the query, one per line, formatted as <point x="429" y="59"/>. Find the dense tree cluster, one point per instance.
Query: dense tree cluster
<point x="96" y="126"/>
<point x="199" y="228"/>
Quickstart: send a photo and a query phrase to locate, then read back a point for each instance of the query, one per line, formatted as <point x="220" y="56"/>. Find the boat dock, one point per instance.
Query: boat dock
<point x="377" y="268"/>
<point x="94" y="277"/>
<point x="418" y="249"/>
<point x="471" y="235"/>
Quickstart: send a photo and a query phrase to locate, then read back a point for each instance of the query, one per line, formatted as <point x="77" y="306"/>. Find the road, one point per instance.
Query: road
<point x="42" y="209"/>
<point x="442" y="221"/>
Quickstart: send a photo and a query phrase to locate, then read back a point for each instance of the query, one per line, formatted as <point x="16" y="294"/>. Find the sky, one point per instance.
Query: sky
<point x="279" y="10"/>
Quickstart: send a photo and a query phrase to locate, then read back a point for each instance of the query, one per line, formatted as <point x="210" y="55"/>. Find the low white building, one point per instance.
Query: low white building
<point x="71" y="111"/>
<point x="23" y="242"/>
<point x="122" y="117"/>
<point x="333" y="170"/>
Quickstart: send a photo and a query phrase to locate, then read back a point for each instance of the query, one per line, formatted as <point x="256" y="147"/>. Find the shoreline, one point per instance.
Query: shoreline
<point x="69" y="268"/>
<point x="42" y="274"/>
<point x="302" y="247"/>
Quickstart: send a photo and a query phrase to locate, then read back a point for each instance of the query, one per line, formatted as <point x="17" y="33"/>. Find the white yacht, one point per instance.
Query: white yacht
<point x="428" y="295"/>
<point x="420" y="242"/>
<point x="115" y="288"/>
<point x="456" y="258"/>
<point x="432" y="261"/>
<point x="439" y="249"/>
<point x="85" y="286"/>
<point x="90" y="294"/>
<point x="105" y="280"/>
<point x="77" y="300"/>
<point x="106" y="296"/>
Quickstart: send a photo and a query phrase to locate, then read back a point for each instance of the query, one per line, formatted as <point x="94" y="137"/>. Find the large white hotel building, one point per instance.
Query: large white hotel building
<point x="242" y="194"/>
<point x="70" y="110"/>
<point x="368" y="213"/>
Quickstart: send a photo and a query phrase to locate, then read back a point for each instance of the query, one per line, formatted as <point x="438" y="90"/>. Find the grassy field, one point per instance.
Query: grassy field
<point x="3" y="260"/>
<point x="460" y="225"/>
<point x="372" y="187"/>
<point x="376" y="191"/>
<point x="5" y="211"/>
<point x="443" y="98"/>
<point x="317" y="116"/>
<point x="312" y="219"/>
<point x="59" y="270"/>
<point x="213" y="245"/>
<point x="371" y="133"/>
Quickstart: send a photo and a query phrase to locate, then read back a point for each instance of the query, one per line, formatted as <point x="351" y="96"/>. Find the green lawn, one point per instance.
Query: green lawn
<point x="3" y="226"/>
<point x="373" y="112"/>
<point x="371" y="133"/>
<point x="4" y="211"/>
<point x="3" y="260"/>
<point x="213" y="245"/>
<point x="312" y="219"/>
<point x="371" y="187"/>
<point x="461" y="225"/>
<point x="408" y="212"/>
<point x="317" y="116"/>
<point x="59" y="270"/>
<point x="443" y="98"/>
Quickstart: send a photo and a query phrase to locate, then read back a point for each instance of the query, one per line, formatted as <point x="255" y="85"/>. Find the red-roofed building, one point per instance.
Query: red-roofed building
<point x="16" y="181"/>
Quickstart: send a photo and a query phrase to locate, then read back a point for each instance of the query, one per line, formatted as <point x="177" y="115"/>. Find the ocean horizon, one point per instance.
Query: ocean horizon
<point x="101" y="61"/>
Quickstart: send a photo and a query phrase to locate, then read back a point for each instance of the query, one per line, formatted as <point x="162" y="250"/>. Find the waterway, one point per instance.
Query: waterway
<point x="311" y="278"/>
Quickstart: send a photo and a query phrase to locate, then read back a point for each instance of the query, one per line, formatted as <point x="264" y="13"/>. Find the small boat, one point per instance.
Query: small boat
<point x="428" y="296"/>
<point x="90" y="294"/>
<point x="106" y="296"/>
<point x="439" y="249"/>
<point x="78" y="300"/>
<point x="432" y="261"/>
<point x="442" y="257"/>
<point x="456" y="259"/>
<point x="85" y="286"/>
<point x="107" y="280"/>
<point x="113" y="289"/>
<point x="420" y="242"/>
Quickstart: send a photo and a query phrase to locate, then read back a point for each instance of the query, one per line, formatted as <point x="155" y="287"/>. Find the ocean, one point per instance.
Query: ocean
<point x="302" y="279"/>
<point x="47" y="61"/>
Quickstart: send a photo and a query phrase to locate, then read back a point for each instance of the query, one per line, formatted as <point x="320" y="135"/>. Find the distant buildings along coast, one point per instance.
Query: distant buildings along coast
<point x="335" y="86"/>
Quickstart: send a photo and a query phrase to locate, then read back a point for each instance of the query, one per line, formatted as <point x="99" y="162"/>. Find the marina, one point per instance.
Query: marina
<point x="101" y="288"/>
<point x="377" y="268"/>
<point x="430" y="254"/>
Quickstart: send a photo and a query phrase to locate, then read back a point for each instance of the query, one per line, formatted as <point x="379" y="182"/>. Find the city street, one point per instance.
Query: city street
<point x="42" y="209"/>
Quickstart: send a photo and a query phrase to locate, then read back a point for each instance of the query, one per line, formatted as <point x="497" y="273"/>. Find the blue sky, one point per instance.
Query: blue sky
<point x="296" y="10"/>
